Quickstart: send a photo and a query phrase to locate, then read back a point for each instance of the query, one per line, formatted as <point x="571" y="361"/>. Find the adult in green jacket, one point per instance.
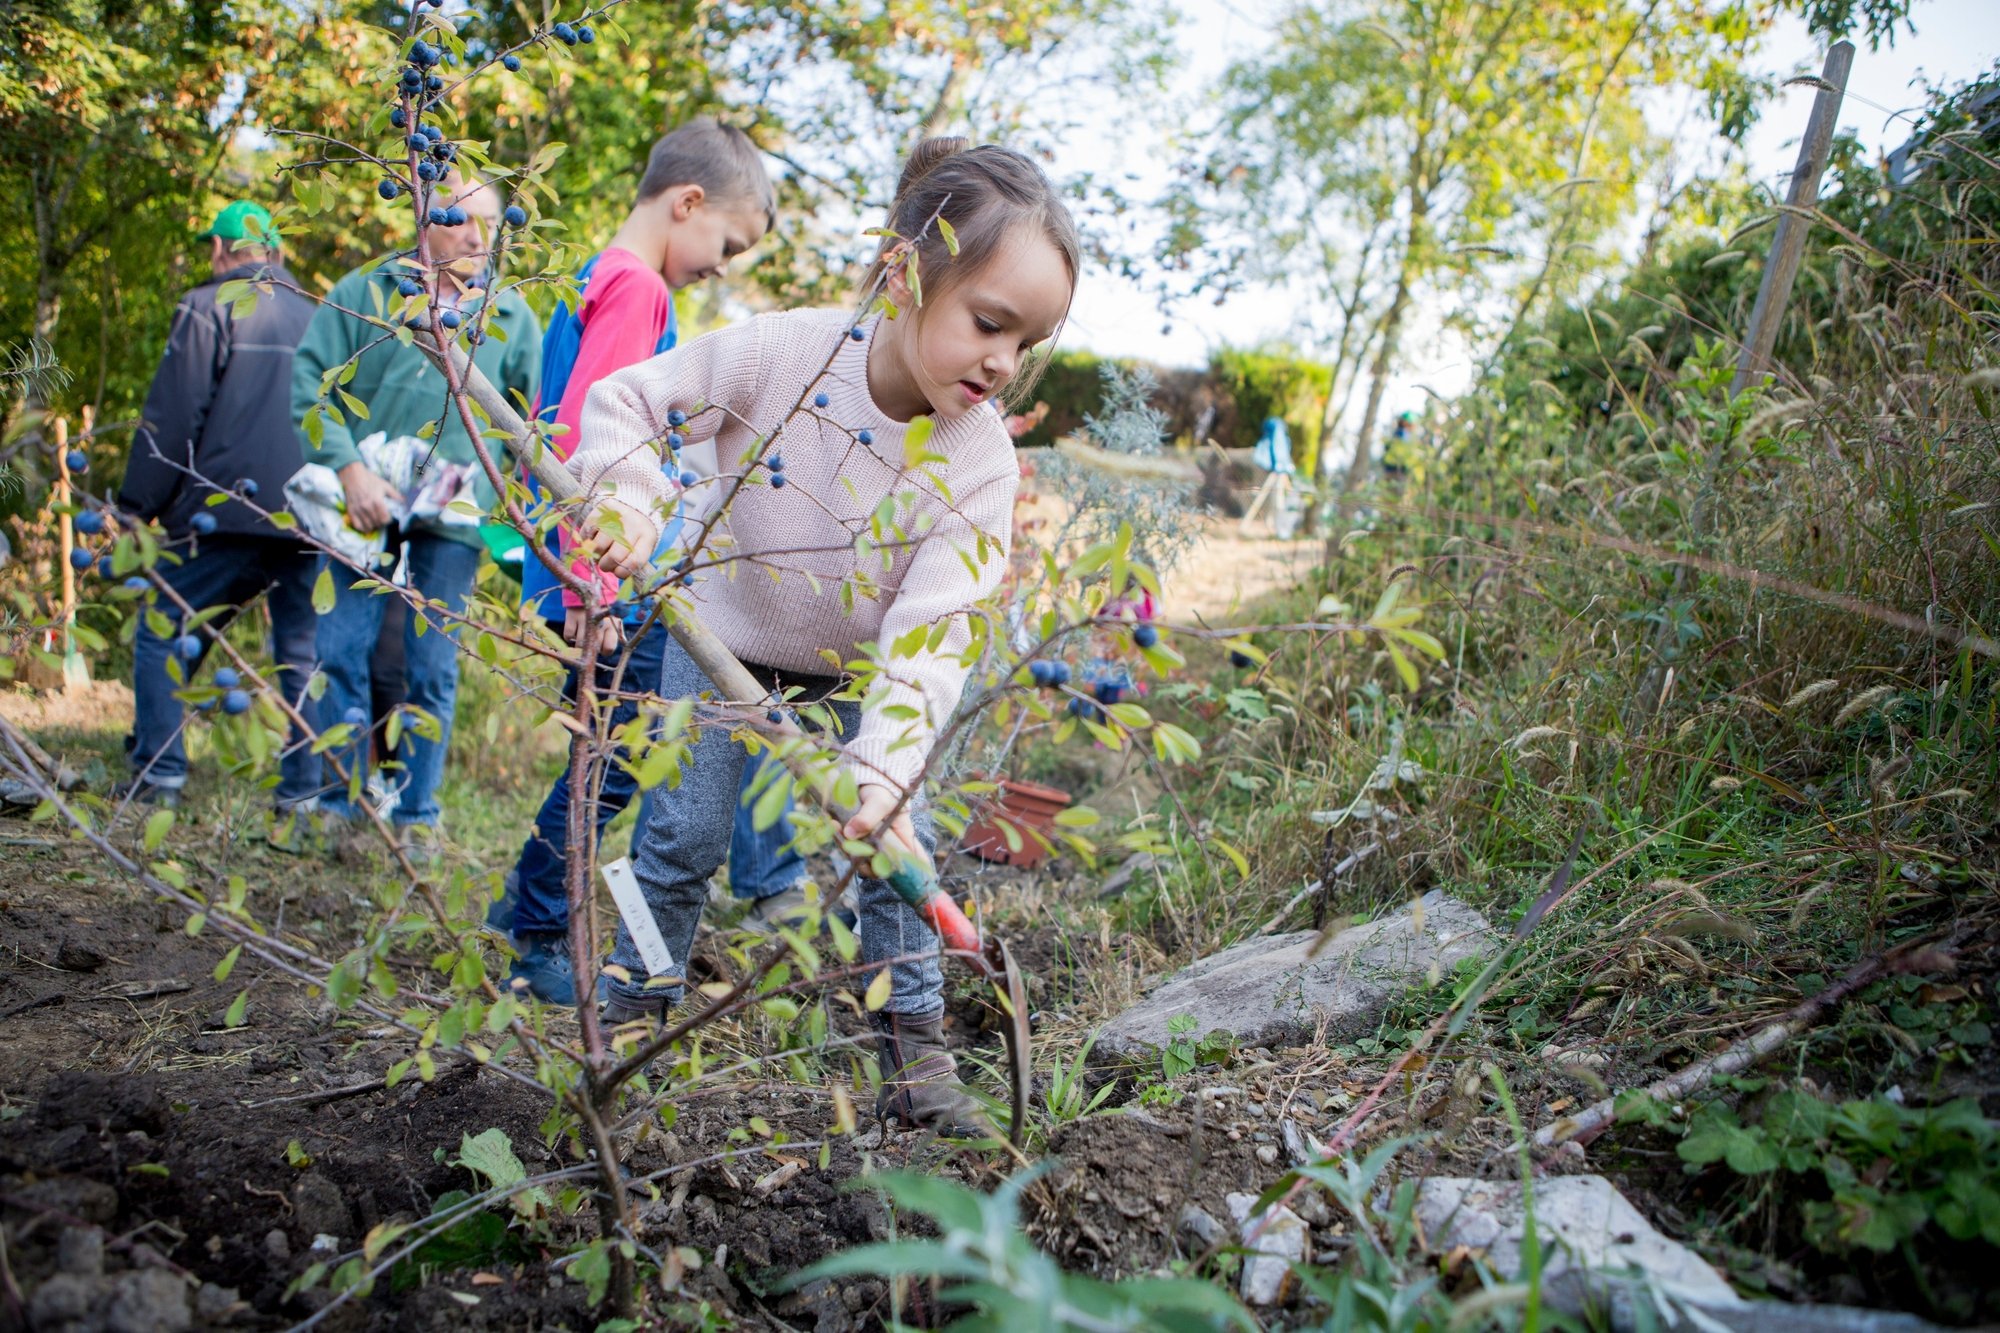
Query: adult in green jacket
<point x="405" y="395"/>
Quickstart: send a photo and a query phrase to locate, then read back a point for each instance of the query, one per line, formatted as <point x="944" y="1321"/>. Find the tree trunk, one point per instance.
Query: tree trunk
<point x="1378" y="384"/>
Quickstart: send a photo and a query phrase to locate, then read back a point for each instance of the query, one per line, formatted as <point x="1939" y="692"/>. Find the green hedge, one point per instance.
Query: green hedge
<point x="1243" y="386"/>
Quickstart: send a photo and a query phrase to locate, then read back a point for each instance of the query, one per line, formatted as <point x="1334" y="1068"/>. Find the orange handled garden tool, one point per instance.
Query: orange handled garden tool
<point x="914" y="878"/>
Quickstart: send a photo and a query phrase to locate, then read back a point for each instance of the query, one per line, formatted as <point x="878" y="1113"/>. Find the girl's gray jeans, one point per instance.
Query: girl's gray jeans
<point x="688" y="837"/>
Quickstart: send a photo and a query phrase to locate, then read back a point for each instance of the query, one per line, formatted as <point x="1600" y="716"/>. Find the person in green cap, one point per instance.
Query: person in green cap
<point x="439" y="555"/>
<point x="215" y="423"/>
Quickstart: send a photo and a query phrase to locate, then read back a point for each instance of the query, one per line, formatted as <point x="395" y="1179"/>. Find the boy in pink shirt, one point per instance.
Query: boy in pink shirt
<point x="704" y="199"/>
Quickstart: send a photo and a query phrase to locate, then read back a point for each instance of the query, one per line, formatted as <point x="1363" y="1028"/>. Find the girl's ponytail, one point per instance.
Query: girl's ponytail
<point x="924" y="159"/>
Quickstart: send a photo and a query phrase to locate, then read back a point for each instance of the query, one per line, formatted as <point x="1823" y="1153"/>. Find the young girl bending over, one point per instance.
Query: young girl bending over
<point x="799" y="533"/>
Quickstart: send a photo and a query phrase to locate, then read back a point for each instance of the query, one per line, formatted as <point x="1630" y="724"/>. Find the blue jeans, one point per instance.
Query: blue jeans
<point x="440" y="571"/>
<point x="226" y="571"/>
<point x="760" y="864"/>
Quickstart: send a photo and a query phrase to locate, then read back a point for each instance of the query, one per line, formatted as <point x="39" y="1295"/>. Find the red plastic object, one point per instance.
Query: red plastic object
<point x="1025" y="805"/>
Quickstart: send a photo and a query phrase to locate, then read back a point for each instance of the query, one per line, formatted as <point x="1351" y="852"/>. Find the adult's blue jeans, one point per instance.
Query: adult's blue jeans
<point x="440" y="571"/>
<point x="226" y="571"/>
<point x="760" y="864"/>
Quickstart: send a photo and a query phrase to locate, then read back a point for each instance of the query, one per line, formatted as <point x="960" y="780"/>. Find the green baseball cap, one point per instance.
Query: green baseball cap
<point x="242" y="221"/>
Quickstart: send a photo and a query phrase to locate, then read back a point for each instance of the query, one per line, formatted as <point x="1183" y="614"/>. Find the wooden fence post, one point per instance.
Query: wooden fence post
<point x="1788" y="246"/>
<point x="1781" y="269"/>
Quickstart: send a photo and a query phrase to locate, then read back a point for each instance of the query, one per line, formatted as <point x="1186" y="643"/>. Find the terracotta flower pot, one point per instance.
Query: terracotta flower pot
<point x="1024" y="805"/>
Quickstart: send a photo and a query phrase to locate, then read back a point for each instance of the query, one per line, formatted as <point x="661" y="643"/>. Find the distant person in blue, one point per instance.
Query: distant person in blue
<point x="1274" y="447"/>
<point x="1273" y="453"/>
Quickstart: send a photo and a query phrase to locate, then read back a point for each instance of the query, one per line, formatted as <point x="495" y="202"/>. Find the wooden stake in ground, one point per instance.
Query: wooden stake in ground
<point x="1774" y="292"/>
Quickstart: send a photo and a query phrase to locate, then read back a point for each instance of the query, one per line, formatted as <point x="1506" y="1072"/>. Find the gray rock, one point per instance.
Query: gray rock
<point x="277" y="1244"/>
<point x="215" y="1304"/>
<point x="1199" y="1227"/>
<point x="1586" y="1228"/>
<point x="1267" y="1271"/>
<point x="80" y="1250"/>
<point x="1274" y="990"/>
<point x="149" y="1301"/>
<point x="319" y="1208"/>
<point x="64" y="1300"/>
<point x="1775" y="1317"/>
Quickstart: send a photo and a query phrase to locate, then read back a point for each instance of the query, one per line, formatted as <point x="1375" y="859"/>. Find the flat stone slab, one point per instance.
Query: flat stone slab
<point x="1276" y="990"/>
<point x="1601" y="1257"/>
<point x="1585" y="1227"/>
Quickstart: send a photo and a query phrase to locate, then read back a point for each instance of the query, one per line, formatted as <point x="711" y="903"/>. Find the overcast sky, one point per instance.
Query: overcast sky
<point x="1955" y="40"/>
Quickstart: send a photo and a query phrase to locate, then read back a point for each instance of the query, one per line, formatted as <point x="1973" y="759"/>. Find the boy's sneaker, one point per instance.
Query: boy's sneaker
<point x="793" y="907"/>
<point x="141" y="791"/>
<point x="543" y="969"/>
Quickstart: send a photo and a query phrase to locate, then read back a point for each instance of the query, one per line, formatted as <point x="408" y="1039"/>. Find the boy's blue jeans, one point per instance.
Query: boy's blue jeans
<point x="226" y="571"/>
<point x="441" y="570"/>
<point x="760" y="864"/>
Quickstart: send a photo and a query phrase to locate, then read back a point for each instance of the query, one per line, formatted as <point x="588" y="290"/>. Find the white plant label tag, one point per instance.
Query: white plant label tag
<point x="625" y="891"/>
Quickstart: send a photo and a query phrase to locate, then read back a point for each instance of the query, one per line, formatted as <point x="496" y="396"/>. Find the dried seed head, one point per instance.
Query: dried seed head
<point x="1724" y="784"/>
<point x="1811" y="692"/>
<point x="1533" y="734"/>
<point x="1861" y="703"/>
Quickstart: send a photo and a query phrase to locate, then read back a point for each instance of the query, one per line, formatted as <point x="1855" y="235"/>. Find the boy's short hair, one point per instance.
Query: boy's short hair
<point x="719" y="158"/>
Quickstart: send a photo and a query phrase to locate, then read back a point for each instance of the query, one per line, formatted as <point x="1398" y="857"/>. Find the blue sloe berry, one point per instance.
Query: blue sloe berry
<point x="586" y="34"/>
<point x="104" y="570"/>
<point x="353" y="717"/>
<point x="203" y="523"/>
<point x="433" y="133"/>
<point x="429" y="170"/>
<point x="1145" y="636"/>
<point x="1038" y="671"/>
<point x="226" y="678"/>
<point x="676" y="417"/>
<point x="778" y="480"/>
<point x="689" y="478"/>
<point x="775" y="716"/>
<point x="79" y="558"/>
<point x="408" y="286"/>
<point x="1058" y="673"/>
<point x="440" y="217"/>
<point x="387" y="188"/>
<point x="434" y="83"/>
<point x="857" y="333"/>
<point x="565" y="34"/>
<point x="512" y="62"/>
<point x="247" y="488"/>
<point x="516" y="216"/>
<point x="189" y="647"/>
<point x="138" y="583"/>
<point x="449" y="319"/>
<point x="675" y="439"/>
<point x="420" y="142"/>
<point x="1240" y="660"/>
<point x="78" y="461"/>
<point x="90" y="522"/>
<point x="398" y="118"/>
<point x="236" y="702"/>
<point x="455" y="216"/>
<point x="776" y="462"/>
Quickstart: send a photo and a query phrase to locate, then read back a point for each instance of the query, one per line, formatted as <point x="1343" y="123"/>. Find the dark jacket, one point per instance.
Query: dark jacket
<point x="221" y="405"/>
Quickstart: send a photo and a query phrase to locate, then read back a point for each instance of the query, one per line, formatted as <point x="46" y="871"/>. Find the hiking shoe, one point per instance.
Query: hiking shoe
<point x="290" y="829"/>
<point x="796" y="908"/>
<point x="141" y="791"/>
<point x="920" y="1087"/>
<point x="422" y="843"/>
<point x="543" y="969"/>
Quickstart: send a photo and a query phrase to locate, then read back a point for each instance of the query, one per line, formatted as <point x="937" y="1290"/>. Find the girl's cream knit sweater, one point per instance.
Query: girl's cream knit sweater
<point x="860" y="545"/>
